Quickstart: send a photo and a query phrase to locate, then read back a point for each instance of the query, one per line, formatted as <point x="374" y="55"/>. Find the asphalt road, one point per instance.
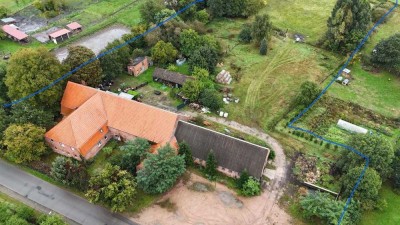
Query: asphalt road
<point x="59" y="200"/>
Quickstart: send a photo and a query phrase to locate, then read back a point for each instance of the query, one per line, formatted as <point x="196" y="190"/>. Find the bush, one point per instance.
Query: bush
<point x="244" y="177"/>
<point x="272" y="155"/>
<point x="202" y="16"/>
<point x="251" y="188"/>
<point x="245" y="34"/>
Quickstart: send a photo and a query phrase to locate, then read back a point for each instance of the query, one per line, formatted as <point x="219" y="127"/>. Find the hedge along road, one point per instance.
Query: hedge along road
<point x="366" y="158"/>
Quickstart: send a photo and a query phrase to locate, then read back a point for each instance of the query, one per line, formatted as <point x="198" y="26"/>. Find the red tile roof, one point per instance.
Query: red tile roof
<point x="95" y="108"/>
<point x="59" y="33"/>
<point x="74" y="26"/>
<point x="14" y="32"/>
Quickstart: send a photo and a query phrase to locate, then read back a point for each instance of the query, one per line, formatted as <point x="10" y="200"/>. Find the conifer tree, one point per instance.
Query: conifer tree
<point x="263" y="47"/>
<point x="211" y="166"/>
<point x="347" y="25"/>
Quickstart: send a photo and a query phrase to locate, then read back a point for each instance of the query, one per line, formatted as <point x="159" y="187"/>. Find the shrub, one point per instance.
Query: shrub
<point x="271" y="155"/>
<point x="245" y="34"/>
<point x="251" y="188"/>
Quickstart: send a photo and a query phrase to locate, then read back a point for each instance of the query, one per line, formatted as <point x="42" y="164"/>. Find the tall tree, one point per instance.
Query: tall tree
<point x="324" y="207"/>
<point x="184" y="150"/>
<point x="396" y="170"/>
<point x="70" y="172"/>
<point x="51" y="220"/>
<point x="164" y="53"/>
<point x="205" y="57"/>
<point x="160" y="171"/>
<point x="376" y="147"/>
<point x="113" y="187"/>
<point x="135" y="31"/>
<point x="261" y="28"/>
<point x="3" y="121"/>
<point x="211" y="166"/>
<point x="3" y="87"/>
<point x="368" y="190"/>
<point x="31" y="69"/>
<point x="137" y="147"/>
<point x="90" y="74"/>
<point x="25" y="112"/>
<point x="149" y="9"/>
<point x="263" y="47"/>
<point x="347" y="25"/>
<point x="24" y="143"/>
<point x="387" y="54"/>
<point x="212" y="99"/>
<point x="308" y="92"/>
<point x="114" y="63"/>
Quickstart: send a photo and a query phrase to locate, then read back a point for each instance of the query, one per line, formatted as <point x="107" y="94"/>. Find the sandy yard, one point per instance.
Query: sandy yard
<point x="200" y="202"/>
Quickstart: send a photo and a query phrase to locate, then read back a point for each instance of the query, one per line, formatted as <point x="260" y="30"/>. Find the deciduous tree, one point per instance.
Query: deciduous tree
<point x="90" y="74"/>
<point x="113" y="187"/>
<point x="31" y="69"/>
<point x="387" y="54"/>
<point x="368" y="190"/>
<point x="308" y="92"/>
<point x="212" y="99"/>
<point x="24" y="143"/>
<point x="261" y="28"/>
<point x="347" y="25"/>
<point x="376" y="147"/>
<point x="149" y="9"/>
<point x="205" y="57"/>
<point x="251" y="187"/>
<point x="160" y="171"/>
<point x="115" y="63"/>
<point x="164" y="53"/>
<point x="245" y="34"/>
<point x="25" y="112"/>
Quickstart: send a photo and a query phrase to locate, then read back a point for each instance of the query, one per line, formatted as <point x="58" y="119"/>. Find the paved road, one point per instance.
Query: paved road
<point x="59" y="200"/>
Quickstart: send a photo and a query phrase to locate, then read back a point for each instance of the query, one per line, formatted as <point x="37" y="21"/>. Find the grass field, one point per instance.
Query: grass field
<point x="378" y="92"/>
<point x="388" y="216"/>
<point x="384" y="31"/>
<point x="13" y="5"/>
<point x="307" y="17"/>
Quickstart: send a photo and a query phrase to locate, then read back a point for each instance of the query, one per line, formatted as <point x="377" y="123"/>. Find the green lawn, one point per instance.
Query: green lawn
<point x="307" y="17"/>
<point x="388" y="216"/>
<point x="378" y="92"/>
<point x="13" y="5"/>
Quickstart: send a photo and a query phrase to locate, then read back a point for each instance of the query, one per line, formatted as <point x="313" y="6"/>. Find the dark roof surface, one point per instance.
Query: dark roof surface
<point x="231" y="153"/>
<point x="137" y="61"/>
<point x="169" y="76"/>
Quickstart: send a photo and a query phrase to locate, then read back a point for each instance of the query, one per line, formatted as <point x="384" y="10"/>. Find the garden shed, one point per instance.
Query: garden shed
<point x="170" y="78"/>
<point x="74" y="27"/>
<point x="15" y="34"/>
<point x="59" y="35"/>
<point x="351" y="127"/>
<point x="8" y="21"/>
<point x="233" y="155"/>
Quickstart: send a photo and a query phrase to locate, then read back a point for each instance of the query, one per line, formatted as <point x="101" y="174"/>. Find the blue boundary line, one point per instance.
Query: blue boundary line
<point x="63" y="77"/>
<point x="360" y="45"/>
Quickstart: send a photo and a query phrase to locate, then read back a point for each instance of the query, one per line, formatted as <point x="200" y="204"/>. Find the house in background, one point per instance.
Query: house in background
<point x="138" y="66"/>
<point x="167" y="77"/>
<point x="93" y="117"/>
<point x="74" y="27"/>
<point x="233" y="155"/>
<point x="59" y="35"/>
<point x="15" y="34"/>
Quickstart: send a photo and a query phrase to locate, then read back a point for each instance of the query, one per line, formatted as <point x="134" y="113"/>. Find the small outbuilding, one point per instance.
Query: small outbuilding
<point x="138" y="66"/>
<point x="74" y="27"/>
<point x="346" y="82"/>
<point x="59" y="35"/>
<point x="351" y="127"/>
<point x="170" y="78"/>
<point x="346" y="73"/>
<point x="15" y="34"/>
<point x="8" y="21"/>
